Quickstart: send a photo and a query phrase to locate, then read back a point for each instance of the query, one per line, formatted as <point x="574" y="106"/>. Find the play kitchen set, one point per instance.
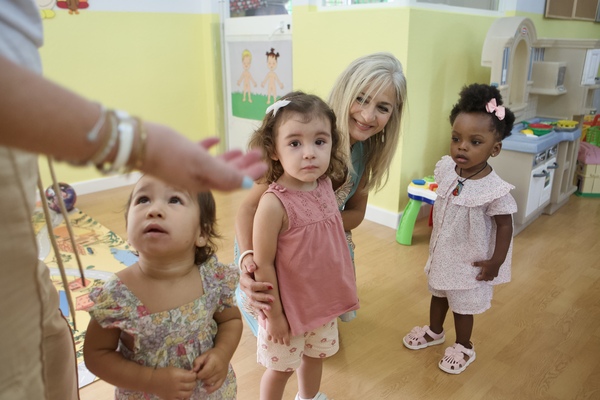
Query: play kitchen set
<point x="544" y="82"/>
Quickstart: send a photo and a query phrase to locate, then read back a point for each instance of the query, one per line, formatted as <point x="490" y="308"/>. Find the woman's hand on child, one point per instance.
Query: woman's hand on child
<point x="489" y="270"/>
<point x="211" y="368"/>
<point x="172" y="383"/>
<point x="255" y="291"/>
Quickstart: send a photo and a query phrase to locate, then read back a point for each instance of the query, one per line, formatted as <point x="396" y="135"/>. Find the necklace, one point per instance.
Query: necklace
<point x="460" y="183"/>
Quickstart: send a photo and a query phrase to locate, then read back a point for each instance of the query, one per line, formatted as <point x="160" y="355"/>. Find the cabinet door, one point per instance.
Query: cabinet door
<point x="572" y="9"/>
<point x="536" y="189"/>
<point x="550" y="168"/>
<point x="559" y="8"/>
<point x="585" y="9"/>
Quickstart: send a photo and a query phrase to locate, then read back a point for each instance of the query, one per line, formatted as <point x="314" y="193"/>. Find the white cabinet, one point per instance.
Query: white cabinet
<point x="540" y="183"/>
<point x="533" y="175"/>
<point x="563" y="186"/>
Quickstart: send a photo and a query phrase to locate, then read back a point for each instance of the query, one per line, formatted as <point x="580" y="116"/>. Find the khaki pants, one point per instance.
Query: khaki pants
<point x="37" y="355"/>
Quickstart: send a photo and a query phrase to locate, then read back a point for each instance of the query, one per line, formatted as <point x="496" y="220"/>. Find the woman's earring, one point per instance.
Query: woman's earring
<point x="383" y="136"/>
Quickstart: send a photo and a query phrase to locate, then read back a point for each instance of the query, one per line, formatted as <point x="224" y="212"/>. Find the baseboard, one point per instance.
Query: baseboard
<point x="110" y="182"/>
<point x="382" y="217"/>
<point x="100" y="184"/>
<point x="391" y="219"/>
<point x="372" y="213"/>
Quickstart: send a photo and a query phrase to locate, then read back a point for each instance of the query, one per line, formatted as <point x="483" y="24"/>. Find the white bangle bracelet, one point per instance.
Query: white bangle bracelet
<point x="244" y="254"/>
<point x="105" y="149"/>
<point x="125" y="126"/>
<point x="126" y="135"/>
<point x="93" y="133"/>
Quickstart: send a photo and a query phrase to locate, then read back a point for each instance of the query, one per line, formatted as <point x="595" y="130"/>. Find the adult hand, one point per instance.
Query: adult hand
<point x="255" y="291"/>
<point x="172" y="383"/>
<point x="170" y="157"/>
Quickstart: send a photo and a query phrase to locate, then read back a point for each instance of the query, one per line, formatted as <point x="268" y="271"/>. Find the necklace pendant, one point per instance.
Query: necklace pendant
<point x="458" y="188"/>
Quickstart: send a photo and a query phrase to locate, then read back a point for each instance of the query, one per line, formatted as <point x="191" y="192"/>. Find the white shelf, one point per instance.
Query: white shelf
<point x="548" y="92"/>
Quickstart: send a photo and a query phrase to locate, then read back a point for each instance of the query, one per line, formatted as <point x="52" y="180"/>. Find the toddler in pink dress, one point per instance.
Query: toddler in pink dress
<point x="300" y="244"/>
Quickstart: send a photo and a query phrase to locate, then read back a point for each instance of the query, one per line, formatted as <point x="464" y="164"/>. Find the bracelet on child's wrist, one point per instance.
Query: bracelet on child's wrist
<point x="241" y="258"/>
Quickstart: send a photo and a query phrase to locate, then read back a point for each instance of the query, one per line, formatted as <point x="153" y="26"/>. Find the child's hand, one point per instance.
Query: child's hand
<point x="248" y="264"/>
<point x="489" y="270"/>
<point x="278" y="330"/>
<point x="173" y="383"/>
<point x="211" y="368"/>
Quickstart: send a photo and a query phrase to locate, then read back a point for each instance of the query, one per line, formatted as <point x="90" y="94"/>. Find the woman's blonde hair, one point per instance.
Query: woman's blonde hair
<point x="367" y="76"/>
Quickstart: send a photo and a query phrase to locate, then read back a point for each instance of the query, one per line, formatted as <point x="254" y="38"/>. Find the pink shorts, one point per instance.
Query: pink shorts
<point x="468" y="301"/>
<point x="321" y="342"/>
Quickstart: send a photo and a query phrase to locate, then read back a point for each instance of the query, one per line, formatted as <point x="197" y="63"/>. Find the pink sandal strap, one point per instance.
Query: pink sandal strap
<point x="418" y="334"/>
<point x="454" y="358"/>
<point x="432" y="334"/>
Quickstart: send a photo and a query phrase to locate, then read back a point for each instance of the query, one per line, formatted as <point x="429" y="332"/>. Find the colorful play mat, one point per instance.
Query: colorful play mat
<point x="102" y="253"/>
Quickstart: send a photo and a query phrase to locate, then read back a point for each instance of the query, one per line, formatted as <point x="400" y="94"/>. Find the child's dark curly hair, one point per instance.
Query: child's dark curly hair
<point x="474" y="98"/>
<point x="308" y="106"/>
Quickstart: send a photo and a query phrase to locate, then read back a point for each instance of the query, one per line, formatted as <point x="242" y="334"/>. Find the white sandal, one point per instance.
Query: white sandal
<point x="319" y="396"/>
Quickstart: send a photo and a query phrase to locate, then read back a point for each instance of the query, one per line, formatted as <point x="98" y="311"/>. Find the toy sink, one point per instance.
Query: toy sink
<point x="537" y="128"/>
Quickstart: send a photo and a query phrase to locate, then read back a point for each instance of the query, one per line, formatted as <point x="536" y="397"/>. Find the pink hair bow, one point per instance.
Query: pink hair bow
<point x="492" y="107"/>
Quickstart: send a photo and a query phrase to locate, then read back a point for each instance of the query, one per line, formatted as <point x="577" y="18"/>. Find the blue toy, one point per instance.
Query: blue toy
<point x="419" y="190"/>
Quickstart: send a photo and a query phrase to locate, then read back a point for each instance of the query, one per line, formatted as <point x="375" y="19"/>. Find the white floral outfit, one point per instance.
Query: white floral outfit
<point x="464" y="230"/>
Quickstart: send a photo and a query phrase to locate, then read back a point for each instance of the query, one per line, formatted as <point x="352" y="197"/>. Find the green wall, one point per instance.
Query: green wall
<point x="444" y="54"/>
<point x="161" y="67"/>
<point x="167" y="68"/>
<point x="440" y="51"/>
<point x="350" y="35"/>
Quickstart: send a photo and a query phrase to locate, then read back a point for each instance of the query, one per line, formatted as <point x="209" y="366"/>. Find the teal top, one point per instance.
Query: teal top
<point x="358" y="164"/>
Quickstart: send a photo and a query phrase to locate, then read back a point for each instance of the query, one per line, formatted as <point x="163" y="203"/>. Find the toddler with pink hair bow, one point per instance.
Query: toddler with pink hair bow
<point x="470" y="249"/>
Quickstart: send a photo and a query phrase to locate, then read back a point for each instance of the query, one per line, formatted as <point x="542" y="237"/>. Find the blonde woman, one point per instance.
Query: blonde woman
<point x="368" y="99"/>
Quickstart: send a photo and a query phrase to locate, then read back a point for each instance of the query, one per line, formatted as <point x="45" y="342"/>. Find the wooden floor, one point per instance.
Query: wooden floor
<point x="540" y="339"/>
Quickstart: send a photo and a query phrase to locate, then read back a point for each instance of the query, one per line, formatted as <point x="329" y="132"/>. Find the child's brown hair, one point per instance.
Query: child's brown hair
<point x="308" y="106"/>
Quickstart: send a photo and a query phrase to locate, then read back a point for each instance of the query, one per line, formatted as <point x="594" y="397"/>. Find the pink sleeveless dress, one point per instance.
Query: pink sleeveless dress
<point x="314" y="269"/>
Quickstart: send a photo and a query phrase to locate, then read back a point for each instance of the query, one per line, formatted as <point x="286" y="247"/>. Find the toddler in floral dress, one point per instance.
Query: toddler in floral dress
<point x="471" y="244"/>
<point x="167" y="326"/>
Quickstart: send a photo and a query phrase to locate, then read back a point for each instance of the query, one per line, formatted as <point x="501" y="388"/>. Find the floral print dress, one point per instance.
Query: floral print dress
<point x="173" y="337"/>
